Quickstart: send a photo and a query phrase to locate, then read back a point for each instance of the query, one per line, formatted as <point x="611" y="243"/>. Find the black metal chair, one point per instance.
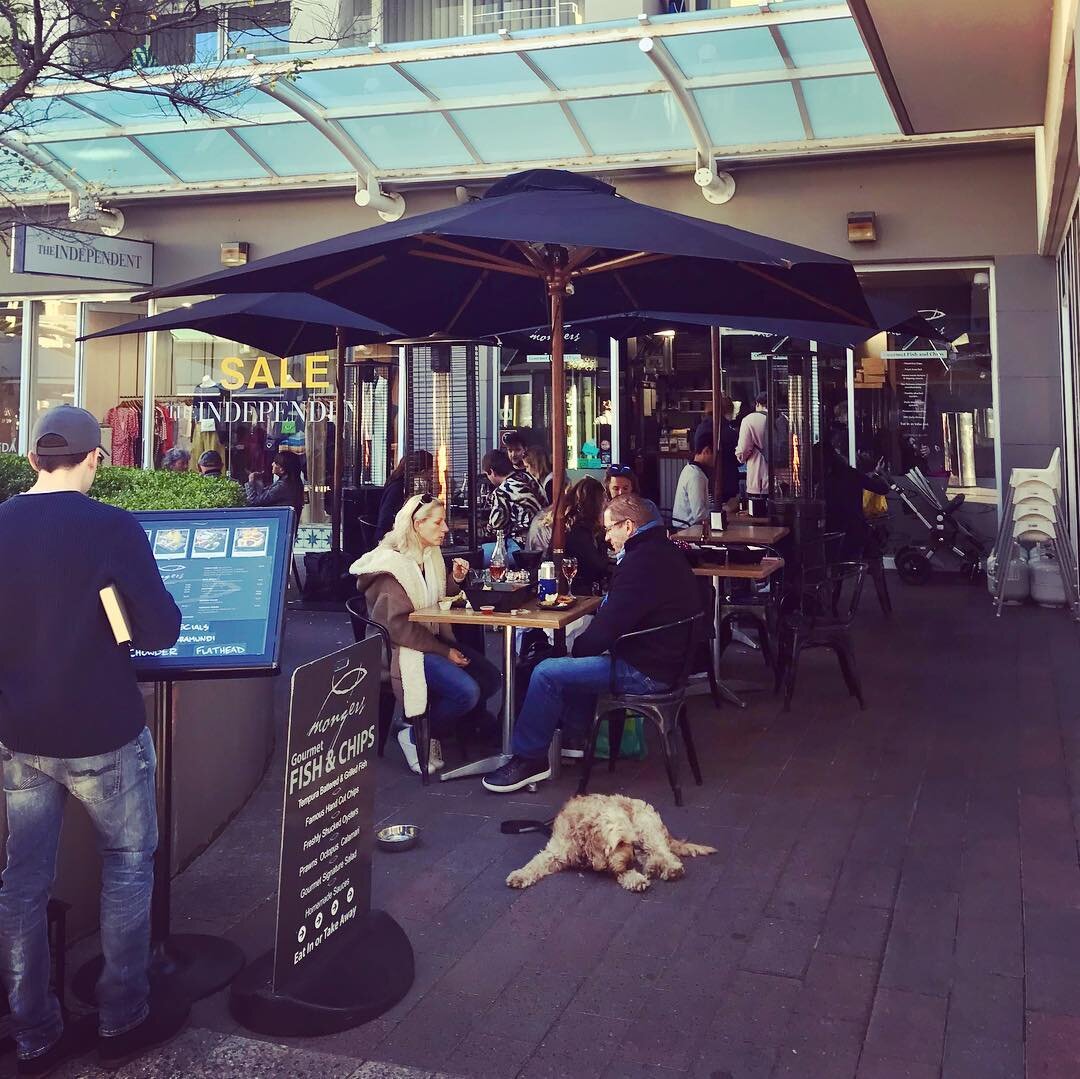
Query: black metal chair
<point x="821" y="617"/>
<point x="746" y="605"/>
<point x="667" y="710"/>
<point x="361" y="623"/>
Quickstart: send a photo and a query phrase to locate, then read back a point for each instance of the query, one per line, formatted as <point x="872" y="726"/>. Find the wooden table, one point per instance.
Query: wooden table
<point x="530" y="616"/>
<point x="761" y="572"/>
<point x="765" y="535"/>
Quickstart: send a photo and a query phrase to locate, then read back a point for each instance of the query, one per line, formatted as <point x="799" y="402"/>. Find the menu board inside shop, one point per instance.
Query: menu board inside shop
<point x="227" y="571"/>
<point x="327" y="830"/>
<point x="912" y="383"/>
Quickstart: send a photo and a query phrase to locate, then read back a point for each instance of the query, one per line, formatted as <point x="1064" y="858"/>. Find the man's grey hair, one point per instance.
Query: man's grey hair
<point x="174" y="456"/>
<point x="640" y="511"/>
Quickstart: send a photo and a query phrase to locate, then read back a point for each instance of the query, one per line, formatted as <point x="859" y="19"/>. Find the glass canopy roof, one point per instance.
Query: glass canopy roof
<point x="585" y="96"/>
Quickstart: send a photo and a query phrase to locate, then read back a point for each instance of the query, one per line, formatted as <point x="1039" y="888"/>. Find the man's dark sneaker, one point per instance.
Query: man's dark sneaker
<point x="166" y="1019"/>
<point x="518" y="772"/>
<point x="78" y="1038"/>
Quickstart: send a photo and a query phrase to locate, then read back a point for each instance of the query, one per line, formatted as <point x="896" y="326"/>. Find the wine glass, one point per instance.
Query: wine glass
<point x="569" y="569"/>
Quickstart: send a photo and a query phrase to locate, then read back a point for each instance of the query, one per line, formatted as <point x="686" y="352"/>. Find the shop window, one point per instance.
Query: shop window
<point x="921" y="404"/>
<point x="218" y="32"/>
<point x="11" y="343"/>
<point x="52" y="369"/>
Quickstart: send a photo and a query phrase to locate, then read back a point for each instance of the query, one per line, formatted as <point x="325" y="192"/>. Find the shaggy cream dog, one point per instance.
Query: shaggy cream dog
<point x="610" y="833"/>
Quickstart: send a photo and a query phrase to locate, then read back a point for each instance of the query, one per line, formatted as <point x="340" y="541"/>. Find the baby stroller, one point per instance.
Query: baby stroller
<point x="947" y="535"/>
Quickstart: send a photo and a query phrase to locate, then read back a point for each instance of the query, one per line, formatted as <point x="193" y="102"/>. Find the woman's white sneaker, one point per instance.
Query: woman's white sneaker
<point x="412" y="758"/>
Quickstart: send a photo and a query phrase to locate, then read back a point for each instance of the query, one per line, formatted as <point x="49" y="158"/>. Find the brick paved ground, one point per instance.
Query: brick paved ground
<point x="897" y="894"/>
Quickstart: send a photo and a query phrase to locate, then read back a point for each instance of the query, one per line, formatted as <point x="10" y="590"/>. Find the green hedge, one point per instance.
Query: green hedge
<point x="133" y="488"/>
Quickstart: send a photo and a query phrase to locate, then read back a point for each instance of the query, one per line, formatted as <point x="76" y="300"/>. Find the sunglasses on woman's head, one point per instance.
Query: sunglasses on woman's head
<point x="425" y="500"/>
<point x="620" y="470"/>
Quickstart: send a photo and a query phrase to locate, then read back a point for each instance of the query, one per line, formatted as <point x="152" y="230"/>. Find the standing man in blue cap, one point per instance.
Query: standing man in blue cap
<point x="72" y="722"/>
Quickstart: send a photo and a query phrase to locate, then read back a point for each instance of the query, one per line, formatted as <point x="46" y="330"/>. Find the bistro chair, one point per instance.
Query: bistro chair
<point x="667" y="710"/>
<point x="821" y="617"/>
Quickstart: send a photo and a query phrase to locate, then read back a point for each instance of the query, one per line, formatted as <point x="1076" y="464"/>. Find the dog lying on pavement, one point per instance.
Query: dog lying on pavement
<point x="610" y="833"/>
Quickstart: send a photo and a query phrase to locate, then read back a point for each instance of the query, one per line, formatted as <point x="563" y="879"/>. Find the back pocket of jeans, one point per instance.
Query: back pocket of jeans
<point x="95" y="779"/>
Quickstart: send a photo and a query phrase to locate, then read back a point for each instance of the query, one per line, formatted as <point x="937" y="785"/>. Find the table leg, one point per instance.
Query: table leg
<point x="725" y="691"/>
<point x="489" y="764"/>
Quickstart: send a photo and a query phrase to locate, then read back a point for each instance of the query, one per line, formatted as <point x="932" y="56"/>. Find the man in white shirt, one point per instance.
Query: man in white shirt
<point x="751" y="448"/>
<point x="692" y="502"/>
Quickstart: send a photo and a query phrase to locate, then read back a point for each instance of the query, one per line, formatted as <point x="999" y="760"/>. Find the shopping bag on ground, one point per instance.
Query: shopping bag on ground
<point x="632" y="747"/>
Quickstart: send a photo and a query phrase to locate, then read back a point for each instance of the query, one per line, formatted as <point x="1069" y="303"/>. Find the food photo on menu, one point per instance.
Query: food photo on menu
<point x="210" y="543"/>
<point x="171" y="542"/>
<point x="251" y="542"/>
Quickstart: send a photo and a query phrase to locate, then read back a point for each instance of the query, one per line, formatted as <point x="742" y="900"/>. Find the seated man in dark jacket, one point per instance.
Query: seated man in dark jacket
<point x="652" y="585"/>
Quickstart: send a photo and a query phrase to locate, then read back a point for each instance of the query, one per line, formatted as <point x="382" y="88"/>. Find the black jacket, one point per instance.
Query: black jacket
<point x="591" y="553"/>
<point x="652" y="586"/>
<point x="393" y="498"/>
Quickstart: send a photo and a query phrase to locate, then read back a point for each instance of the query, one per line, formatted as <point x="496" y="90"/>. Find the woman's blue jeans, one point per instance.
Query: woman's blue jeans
<point x="117" y="791"/>
<point x="454" y="692"/>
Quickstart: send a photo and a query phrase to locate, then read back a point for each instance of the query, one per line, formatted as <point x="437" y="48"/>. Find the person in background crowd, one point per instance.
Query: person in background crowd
<point x="727" y="444"/>
<point x="652" y="585"/>
<point x="417" y="463"/>
<point x="692" y="499"/>
<point x="843" y="488"/>
<point x="176" y="460"/>
<point x="538" y="465"/>
<point x="621" y="481"/>
<point x="286" y="490"/>
<point x="516" y="448"/>
<point x="211" y="464"/>
<point x="429" y="669"/>
<point x="73" y="722"/>
<point x="584" y="538"/>
<point x="751" y="447"/>
<point x="543" y="524"/>
<point x="518" y="499"/>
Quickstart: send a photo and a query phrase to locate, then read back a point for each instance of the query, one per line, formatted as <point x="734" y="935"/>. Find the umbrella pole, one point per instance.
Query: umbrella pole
<point x="717" y="419"/>
<point x="339" y="443"/>
<point x="557" y="291"/>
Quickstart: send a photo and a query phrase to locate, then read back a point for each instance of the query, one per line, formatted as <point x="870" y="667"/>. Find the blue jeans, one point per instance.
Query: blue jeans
<point x="563" y="692"/>
<point x="454" y="692"/>
<point x="117" y="791"/>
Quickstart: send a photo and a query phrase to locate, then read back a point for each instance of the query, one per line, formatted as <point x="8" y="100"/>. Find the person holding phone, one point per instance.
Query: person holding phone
<point x="431" y="671"/>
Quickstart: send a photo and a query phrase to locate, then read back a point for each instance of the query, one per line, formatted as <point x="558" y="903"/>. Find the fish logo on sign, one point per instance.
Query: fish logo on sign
<point x="342" y="685"/>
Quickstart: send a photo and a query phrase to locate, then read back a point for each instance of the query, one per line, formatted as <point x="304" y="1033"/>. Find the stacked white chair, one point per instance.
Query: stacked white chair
<point x="1033" y="514"/>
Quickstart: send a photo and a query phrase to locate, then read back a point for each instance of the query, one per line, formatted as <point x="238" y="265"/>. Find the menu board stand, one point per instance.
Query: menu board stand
<point x="336" y="963"/>
<point x="190" y="966"/>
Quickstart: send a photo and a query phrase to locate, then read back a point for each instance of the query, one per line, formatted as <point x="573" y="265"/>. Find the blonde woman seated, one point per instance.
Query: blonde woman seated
<point x="430" y="671"/>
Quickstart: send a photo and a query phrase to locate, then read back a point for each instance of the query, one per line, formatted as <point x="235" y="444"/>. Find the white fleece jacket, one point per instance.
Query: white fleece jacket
<point x="407" y="574"/>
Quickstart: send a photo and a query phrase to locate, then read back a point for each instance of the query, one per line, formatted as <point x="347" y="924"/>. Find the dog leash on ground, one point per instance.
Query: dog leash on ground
<point x="521" y="827"/>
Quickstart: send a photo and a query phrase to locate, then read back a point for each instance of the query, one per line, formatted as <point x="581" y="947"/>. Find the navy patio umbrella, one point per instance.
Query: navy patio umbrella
<point x="283" y="324"/>
<point x="543" y="246"/>
<point x="640" y="323"/>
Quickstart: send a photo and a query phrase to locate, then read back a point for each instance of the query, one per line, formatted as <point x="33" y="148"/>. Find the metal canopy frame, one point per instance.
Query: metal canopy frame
<point x="652" y="92"/>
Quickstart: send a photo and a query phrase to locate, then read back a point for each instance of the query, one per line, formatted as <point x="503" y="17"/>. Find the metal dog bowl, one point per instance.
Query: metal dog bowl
<point x="398" y="837"/>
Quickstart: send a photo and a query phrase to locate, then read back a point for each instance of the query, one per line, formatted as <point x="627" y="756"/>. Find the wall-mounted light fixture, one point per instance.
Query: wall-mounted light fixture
<point x="862" y="227"/>
<point x="234" y="253"/>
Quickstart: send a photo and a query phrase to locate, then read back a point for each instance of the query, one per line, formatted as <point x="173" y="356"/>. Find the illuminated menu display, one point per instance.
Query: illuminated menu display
<point x="226" y="570"/>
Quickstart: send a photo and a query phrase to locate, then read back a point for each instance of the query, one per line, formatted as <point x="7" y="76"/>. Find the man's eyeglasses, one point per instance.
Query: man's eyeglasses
<point x="615" y="524"/>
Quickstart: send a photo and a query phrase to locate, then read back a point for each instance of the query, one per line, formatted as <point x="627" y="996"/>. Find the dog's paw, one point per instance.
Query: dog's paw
<point x="672" y="872"/>
<point x="633" y="881"/>
<point x="518" y="879"/>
